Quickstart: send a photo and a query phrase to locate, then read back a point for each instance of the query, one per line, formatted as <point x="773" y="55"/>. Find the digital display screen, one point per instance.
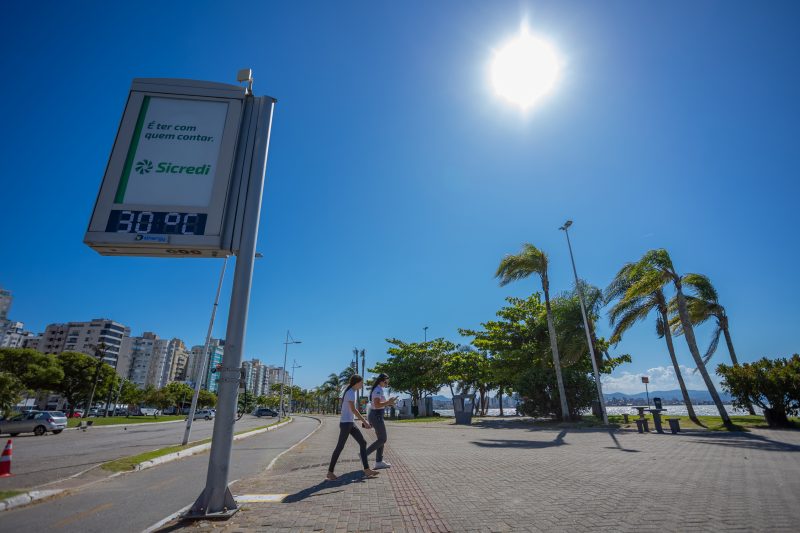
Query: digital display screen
<point x="156" y="222"/>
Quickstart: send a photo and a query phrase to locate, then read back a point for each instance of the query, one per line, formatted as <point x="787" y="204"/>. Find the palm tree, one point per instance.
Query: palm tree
<point x="529" y="261"/>
<point x="632" y="307"/>
<point x="345" y="375"/>
<point x="703" y="304"/>
<point x="655" y="270"/>
<point x="332" y="386"/>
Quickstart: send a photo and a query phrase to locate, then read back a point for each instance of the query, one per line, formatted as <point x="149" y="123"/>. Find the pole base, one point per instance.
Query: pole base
<point x="207" y="507"/>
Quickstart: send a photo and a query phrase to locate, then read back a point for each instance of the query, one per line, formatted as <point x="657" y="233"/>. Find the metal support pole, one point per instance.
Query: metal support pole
<point x="597" y="382"/>
<point x="216" y="500"/>
<point x="198" y="374"/>
<point x="283" y="374"/>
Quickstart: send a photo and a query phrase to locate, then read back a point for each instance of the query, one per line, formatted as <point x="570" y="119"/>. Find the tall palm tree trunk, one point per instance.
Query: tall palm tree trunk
<point x="732" y="353"/>
<point x="681" y="383"/>
<point x="551" y="330"/>
<point x="688" y="333"/>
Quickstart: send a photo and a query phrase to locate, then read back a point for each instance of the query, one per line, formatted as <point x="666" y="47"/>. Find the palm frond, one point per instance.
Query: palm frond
<point x="712" y="347"/>
<point x="701" y="286"/>
<point x="619" y="285"/>
<point x="529" y="261"/>
<point x="629" y="318"/>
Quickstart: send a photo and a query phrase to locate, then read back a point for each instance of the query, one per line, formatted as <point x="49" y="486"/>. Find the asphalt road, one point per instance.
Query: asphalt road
<point x="40" y="460"/>
<point x="134" y="501"/>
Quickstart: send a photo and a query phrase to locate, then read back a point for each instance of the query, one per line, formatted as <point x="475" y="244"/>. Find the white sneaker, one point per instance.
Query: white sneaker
<point x="381" y="464"/>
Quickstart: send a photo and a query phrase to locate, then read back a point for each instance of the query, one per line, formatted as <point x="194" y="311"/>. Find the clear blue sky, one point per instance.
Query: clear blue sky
<point x="396" y="178"/>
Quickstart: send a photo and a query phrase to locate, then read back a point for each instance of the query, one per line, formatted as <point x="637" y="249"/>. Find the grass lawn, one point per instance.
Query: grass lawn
<point x="713" y="423"/>
<point x="128" y="463"/>
<point x="112" y="420"/>
<point x="448" y="419"/>
<point x="5" y="494"/>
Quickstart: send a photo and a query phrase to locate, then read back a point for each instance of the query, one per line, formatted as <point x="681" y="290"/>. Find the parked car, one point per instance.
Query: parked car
<point x="206" y="414"/>
<point x="36" y="422"/>
<point x="78" y="413"/>
<point x="120" y="411"/>
<point x="149" y="411"/>
<point x="265" y="411"/>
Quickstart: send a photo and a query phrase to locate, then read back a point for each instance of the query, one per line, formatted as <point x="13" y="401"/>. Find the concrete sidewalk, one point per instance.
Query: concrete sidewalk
<point x="508" y="475"/>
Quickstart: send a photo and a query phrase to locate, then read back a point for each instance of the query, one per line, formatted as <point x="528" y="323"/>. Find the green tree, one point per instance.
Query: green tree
<point x="131" y="394"/>
<point x="655" y="270"/>
<point x="531" y="261"/>
<point x="206" y="399"/>
<point x="416" y="367"/>
<point x="34" y="370"/>
<point x="246" y="402"/>
<point x="180" y="393"/>
<point x="702" y="302"/>
<point x="11" y="390"/>
<point x="159" y="398"/>
<point x="79" y="373"/>
<point x="634" y="303"/>
<point x="469" y="369"/>
<point x="772" y="384"/>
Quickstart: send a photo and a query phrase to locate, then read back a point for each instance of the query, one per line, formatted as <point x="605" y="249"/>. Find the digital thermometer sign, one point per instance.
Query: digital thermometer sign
<point x="170" y="187"/>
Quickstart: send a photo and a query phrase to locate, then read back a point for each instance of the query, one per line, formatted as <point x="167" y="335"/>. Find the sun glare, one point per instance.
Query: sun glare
<point x="525" y="69"/>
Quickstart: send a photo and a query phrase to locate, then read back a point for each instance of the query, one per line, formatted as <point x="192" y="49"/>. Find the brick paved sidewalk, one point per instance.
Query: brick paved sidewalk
<point x="511" y="476"/>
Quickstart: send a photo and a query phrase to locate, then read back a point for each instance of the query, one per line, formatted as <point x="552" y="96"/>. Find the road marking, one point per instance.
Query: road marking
<point x="81" y="516"/>
<point x="260" y="498"/>
<point x="272" y="463"/>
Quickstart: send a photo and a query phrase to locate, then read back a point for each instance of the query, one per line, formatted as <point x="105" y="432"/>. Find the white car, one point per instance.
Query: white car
<point x="149" y="411"/>
<point x="206" y="414"/>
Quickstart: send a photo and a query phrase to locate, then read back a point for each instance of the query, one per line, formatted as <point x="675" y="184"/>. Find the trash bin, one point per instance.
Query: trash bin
<point x="463" y="404"/>
<point x="674" y="425"/>
<point x="640" y="425"/>
<point x="657" y="403"/>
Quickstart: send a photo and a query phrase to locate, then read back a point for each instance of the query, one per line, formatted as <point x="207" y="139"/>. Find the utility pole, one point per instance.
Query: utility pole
<point x="283" y="374"/>
<point x="201" y="368"/>
<point x="294" y="365"/>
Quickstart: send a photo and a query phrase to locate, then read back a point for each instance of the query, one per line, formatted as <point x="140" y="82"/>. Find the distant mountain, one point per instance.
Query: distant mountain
<point x="695" y="395"/>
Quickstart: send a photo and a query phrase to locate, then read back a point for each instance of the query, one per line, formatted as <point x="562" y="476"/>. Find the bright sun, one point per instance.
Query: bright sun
<point x="525" y="69"/>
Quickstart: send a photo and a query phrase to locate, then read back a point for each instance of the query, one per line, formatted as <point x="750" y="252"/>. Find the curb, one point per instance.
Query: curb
<point x="26" y="498"/>
<point x="134" y="424"/>
<point x="201" y="448"/>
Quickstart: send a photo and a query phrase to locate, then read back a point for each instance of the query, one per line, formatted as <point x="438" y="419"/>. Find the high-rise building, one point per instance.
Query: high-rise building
<point x="85" y="337"/>
<point x="13" y="334"/>
<point x="5" y="303"/>
<point x="195" y="367"/>
<point x="178" y="357"/>
<point x="140" y="352"/>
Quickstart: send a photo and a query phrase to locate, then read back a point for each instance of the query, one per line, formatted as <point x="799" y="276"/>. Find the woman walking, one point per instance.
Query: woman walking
<point x="377" y="404"/>
<point x="347" y="427"/>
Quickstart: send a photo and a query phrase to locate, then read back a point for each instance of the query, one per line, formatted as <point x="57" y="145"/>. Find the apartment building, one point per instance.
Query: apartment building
<point x="86" y="337"/>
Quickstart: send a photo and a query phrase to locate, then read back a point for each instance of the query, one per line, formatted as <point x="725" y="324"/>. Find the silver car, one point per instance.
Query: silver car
<point x="207" y="414"/>
<point x="36" y="422"/>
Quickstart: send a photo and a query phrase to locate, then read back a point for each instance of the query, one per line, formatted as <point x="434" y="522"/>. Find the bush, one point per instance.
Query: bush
<point x="539" y="390"/>
<point x="772" y="384"/>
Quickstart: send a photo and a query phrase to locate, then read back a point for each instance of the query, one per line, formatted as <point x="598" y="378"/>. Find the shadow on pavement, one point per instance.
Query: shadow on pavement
<point x="517" y="443"/>
<point x="617" y="445"/>
<point x="532" y="424"/>
<point x="345" y="479"/>
<point x="745" y="440"/>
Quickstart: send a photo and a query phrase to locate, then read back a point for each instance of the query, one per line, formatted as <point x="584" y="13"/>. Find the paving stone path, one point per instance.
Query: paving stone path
<point x="508" y="475"/>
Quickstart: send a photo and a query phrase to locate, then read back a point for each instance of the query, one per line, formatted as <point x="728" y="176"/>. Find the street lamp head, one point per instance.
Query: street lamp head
<point x="566" y="225"/>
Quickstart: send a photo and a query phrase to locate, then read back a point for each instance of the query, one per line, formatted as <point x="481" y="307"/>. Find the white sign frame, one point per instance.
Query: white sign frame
<point x="217" y="239"/>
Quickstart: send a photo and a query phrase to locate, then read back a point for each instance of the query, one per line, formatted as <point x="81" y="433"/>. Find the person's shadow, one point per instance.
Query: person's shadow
<point x="356" y="476"/>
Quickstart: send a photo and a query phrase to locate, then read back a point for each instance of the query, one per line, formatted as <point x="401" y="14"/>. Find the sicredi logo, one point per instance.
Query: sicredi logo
<point x="145" y="166"/>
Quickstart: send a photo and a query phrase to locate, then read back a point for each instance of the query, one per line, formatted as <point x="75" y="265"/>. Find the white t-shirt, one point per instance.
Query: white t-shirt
<point x="347" y="412"/>
<point x="377" y="392"/>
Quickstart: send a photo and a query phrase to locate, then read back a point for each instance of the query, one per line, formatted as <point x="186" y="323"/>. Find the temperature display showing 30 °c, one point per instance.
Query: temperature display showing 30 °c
<point x="156" y="222"/>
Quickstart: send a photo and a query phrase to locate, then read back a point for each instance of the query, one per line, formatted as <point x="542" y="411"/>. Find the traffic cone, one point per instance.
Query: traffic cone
<point x="5" y="461"/>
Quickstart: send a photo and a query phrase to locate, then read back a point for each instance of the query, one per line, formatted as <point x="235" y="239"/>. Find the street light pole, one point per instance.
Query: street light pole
<point x="199" y="369"/>
<point x="425" y="329"/>
<point x="283" y="374"/>
<point x="599" y="385"/>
